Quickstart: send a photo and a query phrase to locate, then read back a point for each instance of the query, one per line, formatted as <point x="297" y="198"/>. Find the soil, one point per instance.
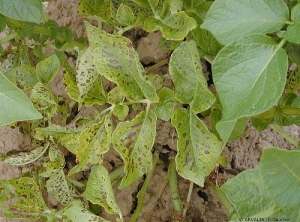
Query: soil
<point x="241" y="154"/>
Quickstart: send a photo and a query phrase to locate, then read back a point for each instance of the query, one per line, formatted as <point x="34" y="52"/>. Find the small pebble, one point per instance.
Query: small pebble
<point x="2" y="144"/>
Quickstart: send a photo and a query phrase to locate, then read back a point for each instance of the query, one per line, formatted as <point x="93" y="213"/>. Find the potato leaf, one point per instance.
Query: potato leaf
<point x="67" y="137"/>
<point x="94" y="141"/>
<point x="116" y="59"/>
<point x="99" y="190"/>
<point x="27" y="200"/>
<point x="229" y="19"/>
<point x="190" y="84"/>
<point x="15" y="105"/>
<point x="58" y="187"/>
<point x="248" y="195"/>
<point x="47" y="69"/>
<point x="24" y="76"/>
<point x="134" y="140"/>
<point x="281" y="177"/>
<point x="165" y="108"/>
<point x="293" y="30"/>
<point x="77" y="213"/>
<point x="173" y="26"/>
<point x="198" y="148"/>
<point x="125" y="15"/>
<point x="98" y="9"/>
<point x="28" y="11"/>
<point x="23" y="158"/>
<point x="249" y="75"/>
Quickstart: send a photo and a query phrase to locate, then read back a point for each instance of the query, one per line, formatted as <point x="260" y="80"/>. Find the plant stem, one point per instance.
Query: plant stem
<point x="188" y="199"/>
<point x="208" y="59"/>
<point x="75" y="182"/>
<point x="157" y="65"/>
<point x="291" y="111"/>
<point x="142" y="193"/>
<point x="8" y="37"/>
<point x="116" y="175"/>
<point x="223" y="199"/>
<point x="280" y="131"/>
<point x="172" y="178"/>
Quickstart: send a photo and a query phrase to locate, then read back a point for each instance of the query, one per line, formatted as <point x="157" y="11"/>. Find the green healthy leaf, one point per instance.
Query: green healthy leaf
<point x="116" y="59"/>
<point x="173" y="26"/>
<point x="121" y="111"/>
<point x="190" y="84"/>
<point x="15" y="104"/>
<point x="98" y="9"/>
<point x="229" y="19"/>
<point x="247" y="194"/>
<point x="2" y="23"/>
<point x="249" y="75"/>
<point x="134" y="140"/>
<point x="231" y="130"/>
<point x="125" y="15"/>
<point x="198" y="148"/>
<point x="296" y="102"/>
<point x="67" y="137"/>
<point x="94" y="141"/>
<point x="47" y="69"/>
<point x="77" y="213"/>
<point x="165" y="108"/>
<point x="280" y="175"/>
<point x="99" y="190"/>
<point x="293" y="30"/>
<point x="24" y="76"/>
<point x="23" y="158"/>
<point x="24" y="10"/>
<point x="26" y="199"/>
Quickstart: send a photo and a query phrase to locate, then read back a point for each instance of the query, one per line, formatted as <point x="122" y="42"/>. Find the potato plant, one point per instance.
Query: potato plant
<point x="250" y="44"/>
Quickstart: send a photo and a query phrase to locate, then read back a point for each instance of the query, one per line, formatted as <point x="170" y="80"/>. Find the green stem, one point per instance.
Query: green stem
<point x="208" y="59"/>
<point x="140" y="101"/>
<point x="291" y="111"/>
<point x="157" y="65"/>
<point x="281" y="43"/>
<point x="45" y="17"/>
<point x="116" y="175"/>
<point x="75" y="182"/>
<point x="142" y="193"/>
<point x="280" y="131"/>
<point x="172" y="178"/>
<point x="223" y="199"/>
<point x="8" y="37"/>
<point x="188" y="199"/>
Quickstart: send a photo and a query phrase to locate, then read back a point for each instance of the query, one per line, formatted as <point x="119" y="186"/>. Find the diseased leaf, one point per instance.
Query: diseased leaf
<point x="166" y="105"/>
<point x="293" y="81"/>
<point x="121" y="111"/>
<point x="231" y="130"/>
<point x="147" y="3"/>
<point x="94" y="141"/>
<point x="47" y="69"/>
<point x="115" y="96"/>
<point x="23" y="158"/>
<point x="229" y="19"/>
<point x="173" y="27"/>
<point x="23" y="10"/>
<point x="125" y="15"/>
<point x="198" y="148"/>
<point x="99" y="190"/>
<point x="58" y="187"/>
<point x="76" y="213"/>
<point x="70" y="81"/>
<point x="24" y="77"/>
<point x="67" y="137"/>
<point x="15" y="104"/>
<point x="134" y="140"/>
<point x="116" y="59"/>
<point x="26" y="200"/>
<point x="98" y="9"/>
<point x="57" y="161"/>
<point x="190" y="84"/>
<point x="247" y="194"/>
<point x="249" y="75"/>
